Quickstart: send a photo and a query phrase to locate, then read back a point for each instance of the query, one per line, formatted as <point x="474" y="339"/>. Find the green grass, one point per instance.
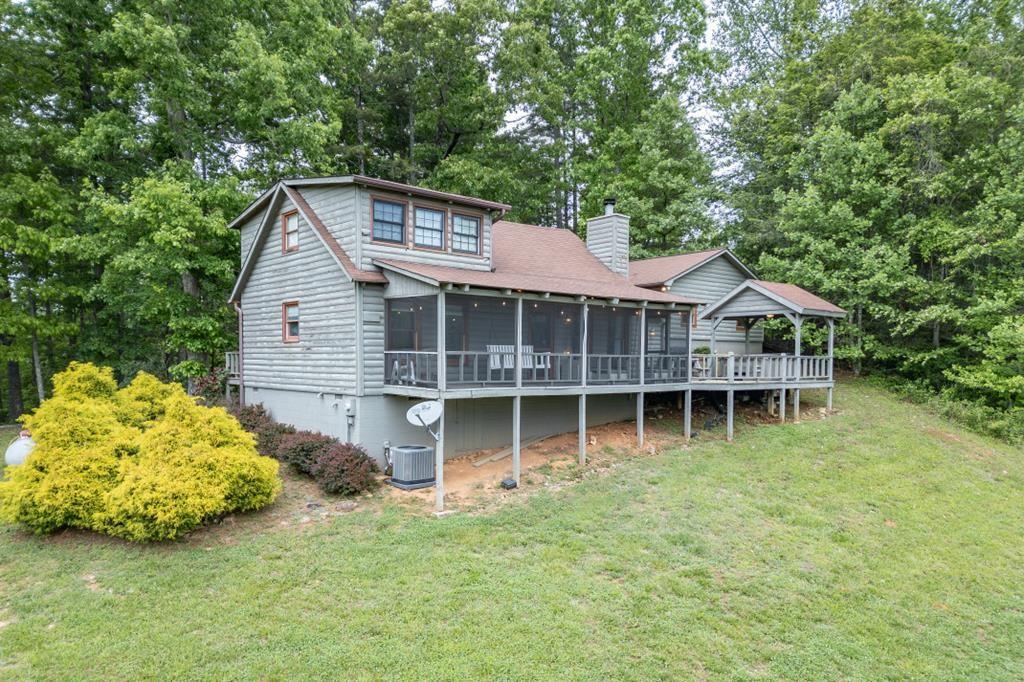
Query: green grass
<point x="880" y="543"/>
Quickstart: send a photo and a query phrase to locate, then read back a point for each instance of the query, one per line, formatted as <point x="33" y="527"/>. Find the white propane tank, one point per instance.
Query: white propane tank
<point x="19" y="450"/>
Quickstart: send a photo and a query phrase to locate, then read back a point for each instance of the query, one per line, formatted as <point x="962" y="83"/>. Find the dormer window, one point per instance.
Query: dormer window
<point x="465" y="233"/>
<point x="388" y="221"/>
<point x="290" y="231"/>
<point x="428" y="228"/>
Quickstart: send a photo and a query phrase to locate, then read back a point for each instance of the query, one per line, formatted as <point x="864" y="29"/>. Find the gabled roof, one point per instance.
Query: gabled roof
<point x="369" y="182"/>
<point x="538" y="259"/>
<point x="797" y="299"/>
<point x="661" y="270"/>
<point x="280" y="191"/>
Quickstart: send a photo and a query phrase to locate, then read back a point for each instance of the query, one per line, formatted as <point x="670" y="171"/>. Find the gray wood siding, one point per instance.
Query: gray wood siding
<point x="367" y="249"/>
<point x="710" y="282"/>
<point x="373" y="338"/>
<point x="400" y="285"/>
<point x="336" y="208"/>
<point x="608" y="239"/>
<point x="324" y="358"/>
<point x="752" y="303"/>
<point x="247" y="232"/>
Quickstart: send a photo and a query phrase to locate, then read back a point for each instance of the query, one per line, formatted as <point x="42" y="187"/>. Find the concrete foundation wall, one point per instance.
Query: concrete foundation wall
<point x="470" y="425"/>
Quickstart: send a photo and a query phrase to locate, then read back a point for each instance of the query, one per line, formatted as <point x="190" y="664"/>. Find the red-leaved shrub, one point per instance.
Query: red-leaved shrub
<point x="256" y="420"/>
<point x="303" y="448"/>
<point x="346" y="469"/>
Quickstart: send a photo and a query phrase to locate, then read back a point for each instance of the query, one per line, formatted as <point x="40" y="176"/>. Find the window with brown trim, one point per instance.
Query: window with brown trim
<point x="290" y="232"/>
<point x="388" y="221"/>
<point x="428" y="227"/>
<point x="290" y="321"/>
<point x="465" y="233"/>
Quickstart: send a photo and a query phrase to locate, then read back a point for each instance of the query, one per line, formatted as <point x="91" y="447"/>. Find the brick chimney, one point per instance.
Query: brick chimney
<point x="608" y="238"/>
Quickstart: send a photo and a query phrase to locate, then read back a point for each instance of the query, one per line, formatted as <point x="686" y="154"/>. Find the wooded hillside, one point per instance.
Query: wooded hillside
<point x="872" y="152"/>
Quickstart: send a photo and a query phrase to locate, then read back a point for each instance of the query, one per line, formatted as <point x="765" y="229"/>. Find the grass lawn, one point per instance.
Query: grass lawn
<point x="880" y="543"/>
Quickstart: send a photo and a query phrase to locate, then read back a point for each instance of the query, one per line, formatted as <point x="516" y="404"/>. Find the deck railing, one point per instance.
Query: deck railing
<point x="498" y="368"/>
<point x="665" y="369"/>
<point x="764" y="367"/>
<point x="232" y="364"/>
<point x="410" y="368"/>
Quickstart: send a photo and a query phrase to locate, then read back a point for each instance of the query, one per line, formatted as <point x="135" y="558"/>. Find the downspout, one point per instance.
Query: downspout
<point x="241" y="354"/>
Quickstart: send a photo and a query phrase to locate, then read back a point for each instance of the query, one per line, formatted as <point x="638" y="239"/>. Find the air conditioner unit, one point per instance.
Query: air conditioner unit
<point x="412" y="466"/>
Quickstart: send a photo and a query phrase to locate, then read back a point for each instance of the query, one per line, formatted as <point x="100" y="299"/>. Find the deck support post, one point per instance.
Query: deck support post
<point x="796" y="405"/>
<point x="519" y="342"/>
<point x="516" y="437"/>
<point x="687" y="413"/>
<point x="782" y="405"/>
<point x="828" y="398"/>
<point x="442" y="346"/>
<point x="640" y="419"/>
<point x="831" y="348"/>
<point x="729" y="395"/>
<point x="439" y="461"/>
<point x="583" y="428"/>
<point x="583" y="345"/>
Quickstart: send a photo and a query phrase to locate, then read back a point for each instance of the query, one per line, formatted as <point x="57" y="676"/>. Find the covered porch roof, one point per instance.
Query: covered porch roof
<point x="541" y="260"/>
<point x="756" y="298"/>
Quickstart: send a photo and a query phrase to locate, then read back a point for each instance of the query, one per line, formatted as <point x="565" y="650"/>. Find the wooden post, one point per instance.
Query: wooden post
<point x="689" y="347"/>
<point x="728" y="415"/>
<point x="831" y="349"/>
<point x="516" y="436"/>
<point x="519" y="342"/>
<point x="583" y="428"/>
<point x="782" y="405"/>
<point x="643" y="345"/>
<point x="442" y="346"/>
<point x="687" y="412"/>
<point x="730" y="367"/>
<point x="799" y="323"/>
<point x="714" y="330"/>
<point x="796" y="405"/>
<point x="439" y="461"/>
<point x="746" y="336"/>
<point x="828" y="398"/>
<point x="640" y="419"/>
<point x="583" y="345"/>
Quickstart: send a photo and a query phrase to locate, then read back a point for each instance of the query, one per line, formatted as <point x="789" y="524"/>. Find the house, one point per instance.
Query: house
<point x="358" y="297"/>
<point x="706" y="276"/>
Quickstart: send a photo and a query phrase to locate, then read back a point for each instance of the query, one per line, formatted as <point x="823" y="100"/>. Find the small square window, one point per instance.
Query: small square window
<point x="389" y="222"/>
<point x="428" y="228"/>
<point x="290" y="321"/>
<point x="290" y="230"/>
<point x="465" y="233"/>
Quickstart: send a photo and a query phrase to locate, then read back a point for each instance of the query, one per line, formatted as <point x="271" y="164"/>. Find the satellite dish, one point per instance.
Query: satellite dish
<point x="19" y="450"/>
<point x="425" y="413"/>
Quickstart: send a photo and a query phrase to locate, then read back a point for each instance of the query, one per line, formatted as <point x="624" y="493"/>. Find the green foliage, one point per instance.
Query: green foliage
<point x="143" y="463"/>
<point x="346" y="469"/>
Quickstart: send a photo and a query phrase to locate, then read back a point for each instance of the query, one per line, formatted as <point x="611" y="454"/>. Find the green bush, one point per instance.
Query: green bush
<point x="346" y="469"/>
<point x="143" y="463"/>
<point x="303" y="448"/>
<point x="256" y="420"/>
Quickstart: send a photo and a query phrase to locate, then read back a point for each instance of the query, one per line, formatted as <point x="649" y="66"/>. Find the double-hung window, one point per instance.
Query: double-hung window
<point x="290" y="322"/>
<point x="465" y="233"/>
<point x="290" y="231"/>
<point x="428" y="228"/>
<point x="388" y="221"/>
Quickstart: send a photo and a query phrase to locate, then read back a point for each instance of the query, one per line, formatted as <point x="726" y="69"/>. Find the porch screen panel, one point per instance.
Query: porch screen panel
<point x="412" y="324"/>
<point x="485" y="321"/>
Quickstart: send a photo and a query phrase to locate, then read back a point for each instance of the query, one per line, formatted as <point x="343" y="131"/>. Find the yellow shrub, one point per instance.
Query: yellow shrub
<point x="143" y="463"/>
<point x="142" y="401"/>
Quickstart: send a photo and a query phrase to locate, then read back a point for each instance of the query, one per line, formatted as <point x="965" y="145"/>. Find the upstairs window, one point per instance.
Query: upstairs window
<point x="290" y="231"/>
<point x="428" y="228"/>
<point x="290" y="322"/>
<point x="388" y="222"/>
<point x="465" y="233"/>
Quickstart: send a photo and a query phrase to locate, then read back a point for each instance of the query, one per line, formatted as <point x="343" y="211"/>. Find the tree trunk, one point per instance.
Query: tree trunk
<point x="15" y="406"/>
<point x="412" y="141"/>
<point x="860" y="340"/>
<point x="37" y="365"/>
<point x="190" y="285"/>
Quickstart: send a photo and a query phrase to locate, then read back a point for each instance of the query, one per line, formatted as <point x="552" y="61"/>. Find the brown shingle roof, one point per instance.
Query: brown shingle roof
<point x="540" y="259"/>
<point x="801" y="297"/>
<point x="355" y="273"/>
<point x="655" y="271"/>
